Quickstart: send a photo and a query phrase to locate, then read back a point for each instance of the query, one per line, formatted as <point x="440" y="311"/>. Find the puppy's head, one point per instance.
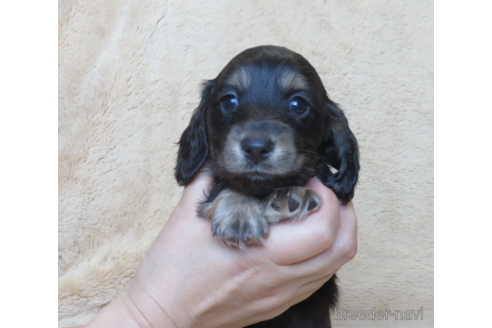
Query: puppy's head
<point x="266" y="122"/>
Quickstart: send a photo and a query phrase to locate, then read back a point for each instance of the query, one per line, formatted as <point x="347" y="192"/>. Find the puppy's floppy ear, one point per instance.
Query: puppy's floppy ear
<point x="340" y="151"/>
<point x="193" y="145"/>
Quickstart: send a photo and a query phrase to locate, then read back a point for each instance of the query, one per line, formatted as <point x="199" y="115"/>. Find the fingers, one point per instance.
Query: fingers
<point x="343" y="250"/>
<point x="310" y="287"/>
<point x="313" y="285"/>
<point x="315" y="246"/>
<point x="346" y="242"/>
<point x="292" y="242"/>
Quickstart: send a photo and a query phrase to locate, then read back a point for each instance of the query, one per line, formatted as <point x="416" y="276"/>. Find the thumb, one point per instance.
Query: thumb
<point x="293" y="242"/>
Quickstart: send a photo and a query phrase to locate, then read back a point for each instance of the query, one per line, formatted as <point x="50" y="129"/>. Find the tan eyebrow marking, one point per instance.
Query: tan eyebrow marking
<point x="240" y="79"/>
<point x="291" y="80"/>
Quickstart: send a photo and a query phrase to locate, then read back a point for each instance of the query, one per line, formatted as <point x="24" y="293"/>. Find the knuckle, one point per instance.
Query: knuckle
<point x="330" y="198"/>
<point x="349" y="249"/>
<point x="326" y="236"/>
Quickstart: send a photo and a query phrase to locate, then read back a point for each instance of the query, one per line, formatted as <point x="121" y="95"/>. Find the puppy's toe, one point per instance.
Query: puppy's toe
<point x="238" y="230"/>
<point x="236" y="219"/>
<point x="292" y="203"/>
<point x="254" y="231"/>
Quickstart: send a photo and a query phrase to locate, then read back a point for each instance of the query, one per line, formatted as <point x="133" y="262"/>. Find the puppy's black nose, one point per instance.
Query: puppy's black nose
<point x="257" y="148"/>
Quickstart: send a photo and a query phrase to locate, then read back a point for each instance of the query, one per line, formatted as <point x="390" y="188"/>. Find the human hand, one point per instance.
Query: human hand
<point x="188" y="278"/>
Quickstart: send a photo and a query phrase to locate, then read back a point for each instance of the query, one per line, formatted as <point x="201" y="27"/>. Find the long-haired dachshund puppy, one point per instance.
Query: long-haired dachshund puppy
<point x="265" y="126"/>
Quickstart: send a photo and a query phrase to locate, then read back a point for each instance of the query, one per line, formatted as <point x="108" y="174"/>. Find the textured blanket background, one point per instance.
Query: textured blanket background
<point x="129" y="73"/>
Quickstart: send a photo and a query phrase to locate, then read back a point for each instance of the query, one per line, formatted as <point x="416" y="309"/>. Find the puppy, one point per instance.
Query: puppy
<point x="265" y="126"/>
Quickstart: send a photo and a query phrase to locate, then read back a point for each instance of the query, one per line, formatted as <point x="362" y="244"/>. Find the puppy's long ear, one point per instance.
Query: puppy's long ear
<point x="340" y="151"/>
<point x="193" y="145"/>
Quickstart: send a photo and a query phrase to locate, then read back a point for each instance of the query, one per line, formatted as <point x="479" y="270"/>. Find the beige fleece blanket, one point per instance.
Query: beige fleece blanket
<point x="129" y="73"/>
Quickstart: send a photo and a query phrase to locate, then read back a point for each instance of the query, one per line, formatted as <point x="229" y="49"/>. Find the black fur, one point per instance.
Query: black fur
<point x="322" y="138"/>
<point x="340" y="150"/>
<point x="193" y="145"/>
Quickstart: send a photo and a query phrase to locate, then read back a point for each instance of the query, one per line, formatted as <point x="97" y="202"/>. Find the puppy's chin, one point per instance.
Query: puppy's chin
<point x="236" y="165"/>
<point x="262" y="179"/>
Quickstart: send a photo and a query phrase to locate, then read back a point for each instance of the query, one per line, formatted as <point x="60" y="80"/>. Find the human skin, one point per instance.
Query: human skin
<point x="188" y="278"/>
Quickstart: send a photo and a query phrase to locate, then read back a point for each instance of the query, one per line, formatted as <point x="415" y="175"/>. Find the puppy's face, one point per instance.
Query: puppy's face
<point x="266" y="122"/>
<point x="265" y="117"/>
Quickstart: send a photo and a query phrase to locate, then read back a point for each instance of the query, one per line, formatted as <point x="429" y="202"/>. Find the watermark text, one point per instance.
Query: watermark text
<point x="374" y="314"/>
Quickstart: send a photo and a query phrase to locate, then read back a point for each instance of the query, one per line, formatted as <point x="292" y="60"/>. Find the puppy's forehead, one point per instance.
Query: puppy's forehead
<point x="243" y="77"/>
<point x="291" y="80"/>
<point x="240" y="78"/>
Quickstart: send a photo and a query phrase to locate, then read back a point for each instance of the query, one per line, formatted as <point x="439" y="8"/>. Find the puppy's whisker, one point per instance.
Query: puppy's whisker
<point x="310" y="151"/>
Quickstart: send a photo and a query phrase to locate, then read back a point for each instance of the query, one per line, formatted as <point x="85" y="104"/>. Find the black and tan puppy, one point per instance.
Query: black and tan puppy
<point x="265" y="125"/>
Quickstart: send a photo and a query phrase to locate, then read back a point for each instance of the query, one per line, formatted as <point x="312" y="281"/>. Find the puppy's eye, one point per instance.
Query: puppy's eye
<point x="229" y="104"/>
<point x="299" y="106"/>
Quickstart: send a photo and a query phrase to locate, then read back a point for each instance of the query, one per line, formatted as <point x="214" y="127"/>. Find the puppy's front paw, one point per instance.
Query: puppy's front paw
<point x="237" y="219"/>
<point x="291" y="203"/>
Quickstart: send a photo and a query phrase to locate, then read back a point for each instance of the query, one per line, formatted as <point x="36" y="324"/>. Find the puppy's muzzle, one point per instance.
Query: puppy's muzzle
<point x="260" y="147"/>
<point x="257" y="148"/>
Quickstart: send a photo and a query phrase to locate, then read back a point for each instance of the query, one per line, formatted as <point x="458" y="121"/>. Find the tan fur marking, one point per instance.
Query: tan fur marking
<point x="292" y="81"/>
<point x="236" y="218"/>
<point x="240" y="79"/>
